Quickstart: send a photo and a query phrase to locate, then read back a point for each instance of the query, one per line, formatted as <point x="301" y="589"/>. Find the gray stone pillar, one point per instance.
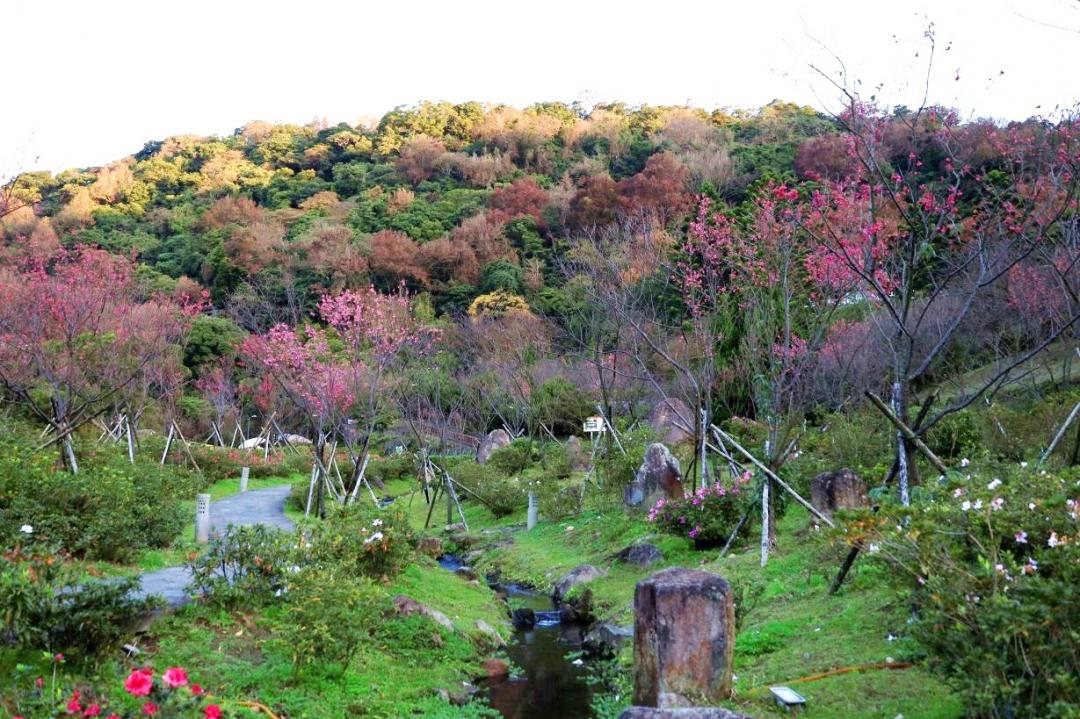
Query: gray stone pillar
<point x="534" y="510"/>
<point x="244" y="473"/>
<point x="202" y="518"/>
<point x="684" y="638"/>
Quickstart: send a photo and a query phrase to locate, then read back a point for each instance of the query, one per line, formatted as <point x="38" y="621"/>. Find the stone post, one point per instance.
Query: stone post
<point x="684" y="638"/>
<point x="202" y="518"/>
<point x="244" y="474"/>
<point x="534" y="509"/>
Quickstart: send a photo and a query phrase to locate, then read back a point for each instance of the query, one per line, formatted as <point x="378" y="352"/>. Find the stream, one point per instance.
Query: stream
<point x="549" y="684"/>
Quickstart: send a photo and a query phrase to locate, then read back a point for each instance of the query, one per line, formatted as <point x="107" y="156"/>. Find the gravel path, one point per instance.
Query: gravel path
<point x="256" y="506"/>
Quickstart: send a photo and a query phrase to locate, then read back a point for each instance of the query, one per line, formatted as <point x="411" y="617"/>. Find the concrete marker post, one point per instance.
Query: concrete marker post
<point x="534" y="510"/>
<point x="202" y="518"/>
<point x="244" y="473"/>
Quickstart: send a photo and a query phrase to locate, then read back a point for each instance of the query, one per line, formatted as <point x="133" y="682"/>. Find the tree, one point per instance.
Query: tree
<point x="394" y="259"/>
<point x="659" y="189"/>
<point x="75" y="332"/>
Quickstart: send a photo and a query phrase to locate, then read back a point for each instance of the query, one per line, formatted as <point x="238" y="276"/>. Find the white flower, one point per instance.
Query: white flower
<point x="374" y="538"/>
<point x="1031" y="506"/>
<point x="874" y="548"/>
<point x="26" y="529"/>
<point x="965" y="506"/>
<point x="1053" y="541"/>
<point x="978" y="504"/>
<point x="376" y="522"/>
<point x="965" y="462"/>
<point x="1020" y="537"/>
<point x="994" y="485"/>
<point x="1023" y="465"/>
<point x="958" y="493"/>
<point x="997" y="503"/>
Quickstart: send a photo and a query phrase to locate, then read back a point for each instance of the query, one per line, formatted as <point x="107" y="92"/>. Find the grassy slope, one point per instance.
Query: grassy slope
<point x="793" y="629"/>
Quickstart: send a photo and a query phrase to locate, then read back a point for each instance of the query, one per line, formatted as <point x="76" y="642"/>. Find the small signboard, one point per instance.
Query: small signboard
<point x="594" y="425"/>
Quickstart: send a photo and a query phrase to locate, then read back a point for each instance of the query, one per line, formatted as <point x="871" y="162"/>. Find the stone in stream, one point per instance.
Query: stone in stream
<point x="684" y="638"/>
<point x="659" y="475"/>
<point x="641" y="555"/>
<point x="669" y="419"/>
<point x="842" y="489"/>
<point x="407" y="606"/>
<point x="491" y="633"/>
<point x="431" y="546"/>
<point x="496" y="439"/>
<point x="681" y="713"/>
<point x="523" y="618"/>
<point x="577" y="575"/>
<point x="495" y="668"/>
<point x="607" y="639"/>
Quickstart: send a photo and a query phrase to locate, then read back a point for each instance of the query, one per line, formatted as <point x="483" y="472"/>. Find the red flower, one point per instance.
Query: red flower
<point x="150" y="708"/>
<point x="74" y="707"/>
<point x="39" y="682"/>
<point x="212" y="711"/>
<point x="174" y="677"/>
<point x="196" y="689"/>
<point x="92" y="711"/>
<point x="114" y="715"/>
<point x="58" y="658"/>
<point x="138" y="683"/>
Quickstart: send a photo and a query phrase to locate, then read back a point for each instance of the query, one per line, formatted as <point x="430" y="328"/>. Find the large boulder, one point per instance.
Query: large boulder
<point x="607" y="639"/>
<point x="681" y="713"/>
<point x="684" y="638"/>
<point x="496" y="439"/>
<point x="672" y="421"/>
<point x="578" y="575"/>
<point x="579" y="458"/>
<point x="842" y="489"/>
<point x="659" y="475"/>
<point x="641" y="555"/>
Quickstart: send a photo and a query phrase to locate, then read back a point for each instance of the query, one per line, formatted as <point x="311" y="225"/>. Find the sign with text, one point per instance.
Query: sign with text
<point x="594" y="424"/>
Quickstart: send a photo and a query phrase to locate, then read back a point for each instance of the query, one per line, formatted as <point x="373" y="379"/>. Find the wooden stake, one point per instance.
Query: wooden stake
<point x="1060" y="433"/>
<point x="906" y="431"/>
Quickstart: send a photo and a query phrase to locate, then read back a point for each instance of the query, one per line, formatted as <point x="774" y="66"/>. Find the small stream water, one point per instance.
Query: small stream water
<point x="550" y="684"/>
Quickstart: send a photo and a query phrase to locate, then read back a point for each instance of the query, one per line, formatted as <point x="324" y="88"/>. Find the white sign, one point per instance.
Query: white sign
<point x="594" y="424"/>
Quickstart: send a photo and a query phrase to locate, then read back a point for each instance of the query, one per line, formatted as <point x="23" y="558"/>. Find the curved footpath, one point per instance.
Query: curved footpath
<point x="256" y="506"/>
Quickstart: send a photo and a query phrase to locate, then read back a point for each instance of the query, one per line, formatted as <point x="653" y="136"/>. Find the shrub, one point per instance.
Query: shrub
<point x="109" y="512"/>
<point x="362" y="540"/>
<point x="512" y="458"/>
<point x="556" y="461"/>
<point x="243" y="566"/>
<point x="48" y="607"/>
<point x="561" y="405"/>
<point x="955" y="436"/>
<point x="389" y="469"/>
<point x="329" y="615"/>
<point x="993" y="568"/>
<point x="559" y="499"/>
<point x="707" y="516"/>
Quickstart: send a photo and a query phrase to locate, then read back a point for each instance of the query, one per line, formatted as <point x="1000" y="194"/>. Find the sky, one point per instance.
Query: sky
<point x="92" y="81"/>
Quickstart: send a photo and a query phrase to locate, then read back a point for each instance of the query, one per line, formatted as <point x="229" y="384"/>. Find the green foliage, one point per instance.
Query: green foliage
<point x="513" y="458"/>
<point x="395" y="467"/>
<point x="243" y="566"/>
<point x="561" y="405"/>
<point x="48" y="606"/>
<point x="956" y="436"/>
<point x="209" y="339"/>
<point x="501" y="276"/>
<point x="992" y="564"/>
<point x="329" y="615"/>
<point x="360" y="539"/>
<point x="107" y="511"/>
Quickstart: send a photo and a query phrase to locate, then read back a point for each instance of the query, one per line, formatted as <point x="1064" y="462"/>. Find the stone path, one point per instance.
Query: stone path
<point x="256" y="506"/>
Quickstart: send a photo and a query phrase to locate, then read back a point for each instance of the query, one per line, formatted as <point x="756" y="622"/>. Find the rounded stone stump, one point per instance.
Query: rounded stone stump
<point x="202" y="518"/>
<point x="244" y="474"/>
<point x="534" y="510"/>
<point x="684" y="638"/>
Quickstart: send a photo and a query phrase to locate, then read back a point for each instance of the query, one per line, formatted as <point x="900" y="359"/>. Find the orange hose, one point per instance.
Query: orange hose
<point x="259" y="707"/>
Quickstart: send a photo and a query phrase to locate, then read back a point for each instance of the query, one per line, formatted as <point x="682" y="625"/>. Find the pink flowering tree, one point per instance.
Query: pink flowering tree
<point x="927" y="233"/>
<point x="380" y="332"/>
<point x="76" y="333"/>
<point x="299" y="368"/>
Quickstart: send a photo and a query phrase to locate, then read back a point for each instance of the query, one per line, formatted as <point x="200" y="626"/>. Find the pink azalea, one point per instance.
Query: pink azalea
<point x="139" y="683"/>
<point x="212" y="711"/>
<point x="175" y="677"/>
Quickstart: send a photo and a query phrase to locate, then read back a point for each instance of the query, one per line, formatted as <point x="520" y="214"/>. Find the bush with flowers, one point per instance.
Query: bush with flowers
<point x="707" y="516"/>
<point x="992" y="562"/>
<point x="170" y="695"/>
<point x="243" y="566"/>
<point x="361" y="539"/>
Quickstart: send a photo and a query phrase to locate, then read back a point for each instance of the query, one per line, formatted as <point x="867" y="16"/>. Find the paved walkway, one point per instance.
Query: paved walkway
<point x="256" y="506"/>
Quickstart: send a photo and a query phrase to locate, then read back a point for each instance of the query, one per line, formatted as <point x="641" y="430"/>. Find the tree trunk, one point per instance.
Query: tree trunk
<point x="900" y="409"/>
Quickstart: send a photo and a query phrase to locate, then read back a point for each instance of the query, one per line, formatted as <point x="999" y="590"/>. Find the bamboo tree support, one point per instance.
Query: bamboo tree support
<point x="168" y="445"/>
<point x="311" y="490"/>
<point x="765" y="522"/>
<point x="284" y="437"/>
<point x="908" y="433"/>
<point x="187" y="447"/>
<point x="734" y="533"/>
<point x="734" y="467"/>
<point x="431" y="505"/>
<point x="1057" y="437"/>
<point x="453" y="497"/>
<point x="363" y="468"/>
<point x="772" y="475"/>
<point x="130" y="439"/>
<point x="704" y="467"/>
<point x="611" y="428"/>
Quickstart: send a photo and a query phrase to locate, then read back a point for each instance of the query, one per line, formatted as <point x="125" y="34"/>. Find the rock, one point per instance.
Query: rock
<point x="684" y="637"/>
<point x="495" y="668"/>
<point x="491" y="633"/>
<point x="684" y="713"/>
<point x="577" y="575"/>
<point x="253" y="443"/>
<point x="466" y="573"/>
<point x="394" y="446"/>
<point x="430" y="546"/>
<point x="296" y="439"/>
<point x="579" y="458"/>
<point x="842" y="489"/>
<point x="473" y="557"/>
<point x="407" y="606"/>
<point x="658" y="475"/>
<point x="523" y="618"/>
<point x="672" y="421"/>
<point x="641" y="555"/>
<point x="443" y="694"/>
<point x="496" y="439"/>
<point x="462" y="696"/>
<point x="455" y="529"/>
<point x="567" y="614"/>
<point x="607" y="639"/>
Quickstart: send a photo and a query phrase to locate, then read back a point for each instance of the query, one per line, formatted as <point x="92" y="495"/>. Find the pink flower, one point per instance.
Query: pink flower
<point x="39" y="682"/>
<point x="212" y="711"/>
<point x="196" y="689"/>
<point x="997" y="503"/>
<point x="175" y="677"/>
<point x="693" y="533"/>
<point x="139" y="683"/>
<point x="73" y="706"/>
<point x="1020" y="537"/>
<point x="92" y="711"/>
<point x="149" y="708"/>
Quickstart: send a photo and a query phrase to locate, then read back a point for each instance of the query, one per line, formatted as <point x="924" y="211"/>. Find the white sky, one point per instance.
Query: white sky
<point x="91" y="81"/>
